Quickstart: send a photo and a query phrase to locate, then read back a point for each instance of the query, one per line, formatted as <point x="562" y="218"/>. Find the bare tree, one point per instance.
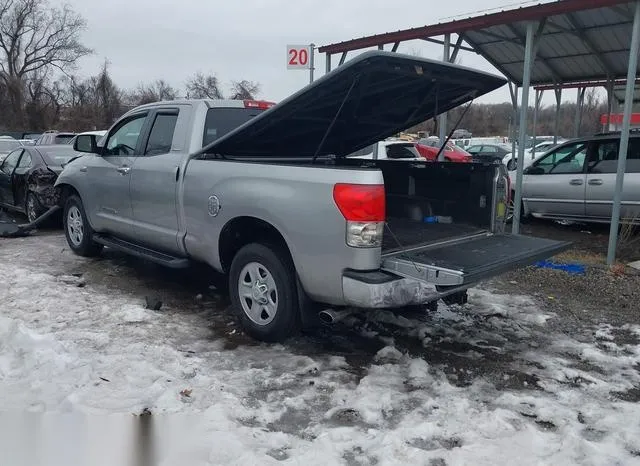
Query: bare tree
<point x="200" y="86"/>
<point x="35" y="37"/>
<point x="241" y="90"/>
<point x="156" y="91"/>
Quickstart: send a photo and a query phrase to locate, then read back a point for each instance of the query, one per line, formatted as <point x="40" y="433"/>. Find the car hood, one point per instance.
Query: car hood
<point x="374" y="96"/>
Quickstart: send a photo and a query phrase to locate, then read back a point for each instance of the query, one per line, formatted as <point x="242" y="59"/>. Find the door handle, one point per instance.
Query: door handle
<point x="576" y="182"/>
<point x="123" y="170"/>
<point x="83" y="169"/>
<point x="595" y="182"/>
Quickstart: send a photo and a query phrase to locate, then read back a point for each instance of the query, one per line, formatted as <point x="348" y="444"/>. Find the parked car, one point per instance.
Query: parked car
<point x="489" y="152"/>
<point x="49" y="138"/>
<point x="576" y="181"/>
<point x="428" y="148"/>
<point x="27" y="176"/>
<point x="530" y="154"/>
<point x="8" y="145"/>
<point x="267" y="195"/>
<point x="389" y="150"/>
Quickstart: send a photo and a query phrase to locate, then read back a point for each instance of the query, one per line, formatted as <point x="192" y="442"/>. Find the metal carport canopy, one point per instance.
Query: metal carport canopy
<point x="577" y="40"/>
<point x="556" y="43"/>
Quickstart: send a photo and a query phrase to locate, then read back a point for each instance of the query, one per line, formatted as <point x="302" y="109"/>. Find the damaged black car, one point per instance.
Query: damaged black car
<point x="27" y="176"/>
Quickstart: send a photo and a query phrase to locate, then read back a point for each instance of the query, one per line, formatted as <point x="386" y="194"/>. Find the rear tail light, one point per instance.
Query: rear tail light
<point x="260" y="104"/>
<point x="363" y="207"/>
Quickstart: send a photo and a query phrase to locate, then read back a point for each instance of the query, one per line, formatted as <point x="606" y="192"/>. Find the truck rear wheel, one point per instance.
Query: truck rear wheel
<point x="262" y="288"/>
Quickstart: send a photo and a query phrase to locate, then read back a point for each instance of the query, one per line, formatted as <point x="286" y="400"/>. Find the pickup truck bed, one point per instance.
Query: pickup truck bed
<point x="402" y="233"/>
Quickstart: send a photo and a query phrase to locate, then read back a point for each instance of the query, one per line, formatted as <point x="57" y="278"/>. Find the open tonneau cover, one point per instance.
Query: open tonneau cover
<point x="369" y="98"/>
<point x="467" y="260"/>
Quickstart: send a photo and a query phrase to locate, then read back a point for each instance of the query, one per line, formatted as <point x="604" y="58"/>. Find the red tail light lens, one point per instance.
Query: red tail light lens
<point x="260" y="104"/>
<point x="360" y="202"/>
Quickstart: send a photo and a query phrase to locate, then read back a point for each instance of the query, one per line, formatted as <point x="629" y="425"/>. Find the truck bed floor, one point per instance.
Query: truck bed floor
<point x="410" y="233"/>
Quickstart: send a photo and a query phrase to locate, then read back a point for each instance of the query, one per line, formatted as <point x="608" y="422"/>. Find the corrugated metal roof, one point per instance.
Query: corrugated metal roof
<point x="578" y="40"/>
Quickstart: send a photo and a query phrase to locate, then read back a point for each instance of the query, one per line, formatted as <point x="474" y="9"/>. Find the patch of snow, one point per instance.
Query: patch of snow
<point x="84" y="362"/>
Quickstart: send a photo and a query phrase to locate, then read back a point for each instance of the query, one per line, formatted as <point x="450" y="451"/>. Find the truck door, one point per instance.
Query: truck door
<point x="154" y="180"/>
<point x="109" y="176"/>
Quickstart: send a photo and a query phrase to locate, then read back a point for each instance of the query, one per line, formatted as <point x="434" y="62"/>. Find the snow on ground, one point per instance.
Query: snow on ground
<point x="486" y="384"/>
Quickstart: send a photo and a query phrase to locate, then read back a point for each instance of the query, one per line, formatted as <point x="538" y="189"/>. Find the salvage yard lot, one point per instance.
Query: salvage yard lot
<point x="517" y="374"/>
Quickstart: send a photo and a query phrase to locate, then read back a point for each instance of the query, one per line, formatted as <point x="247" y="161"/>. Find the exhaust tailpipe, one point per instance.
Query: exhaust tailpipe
<point x="330" y="317"/>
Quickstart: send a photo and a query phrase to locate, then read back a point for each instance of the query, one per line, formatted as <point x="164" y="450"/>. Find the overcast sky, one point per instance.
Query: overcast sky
<point x="246" y="39"/>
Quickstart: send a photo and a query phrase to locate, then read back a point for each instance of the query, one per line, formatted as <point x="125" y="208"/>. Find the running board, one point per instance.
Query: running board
<point x="143" y="252"/>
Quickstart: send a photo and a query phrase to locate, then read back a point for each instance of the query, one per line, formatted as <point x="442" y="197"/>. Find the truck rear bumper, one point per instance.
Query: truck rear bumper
<point x="380" y="289"/>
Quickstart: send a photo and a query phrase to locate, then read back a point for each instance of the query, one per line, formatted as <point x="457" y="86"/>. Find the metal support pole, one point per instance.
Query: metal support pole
<point x="327" y="64"/>
<point x="311" y="61"/>
<point x="442" y="119"/>
<point x="513" y="90"/>
<point x="610" y="97"/>
<point x="536" y="109"/>
<point x="556" y="126"/>
<point x="624" y="135"/>
<point x="579" y="105"/>
<point x="524" y="107"/>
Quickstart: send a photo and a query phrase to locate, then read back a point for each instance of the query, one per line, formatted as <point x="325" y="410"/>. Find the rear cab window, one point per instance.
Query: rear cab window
<point x="221" y="121"/>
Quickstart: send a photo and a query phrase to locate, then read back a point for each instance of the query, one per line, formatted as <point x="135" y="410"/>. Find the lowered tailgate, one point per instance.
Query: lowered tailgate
<point x="471" y="259"/>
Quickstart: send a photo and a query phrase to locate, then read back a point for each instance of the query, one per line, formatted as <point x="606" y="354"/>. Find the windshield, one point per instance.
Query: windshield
<point x="402" y="151"/>
<point x="57" y="158"/>
<point x="7" y="146"/>
<point x="63" y="138"/>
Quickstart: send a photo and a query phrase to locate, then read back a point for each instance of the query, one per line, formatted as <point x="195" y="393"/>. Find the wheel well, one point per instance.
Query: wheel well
<point x="245" y="230"/>
<point x="64" y="191"/>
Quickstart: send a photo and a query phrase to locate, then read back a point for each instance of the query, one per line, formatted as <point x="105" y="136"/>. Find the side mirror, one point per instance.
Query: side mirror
<point x="85" y="143"/>
<point x="533" y="170"/>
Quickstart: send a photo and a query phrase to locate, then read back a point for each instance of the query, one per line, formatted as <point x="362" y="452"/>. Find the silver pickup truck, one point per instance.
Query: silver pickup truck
<point x="268" y="195"/>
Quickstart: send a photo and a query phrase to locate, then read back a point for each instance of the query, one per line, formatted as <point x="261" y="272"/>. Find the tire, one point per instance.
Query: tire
<point x="512" y="165"/>
<point x="32" y="207"/>
<point x="262" y="287"/>
<point x="77" y="229"/>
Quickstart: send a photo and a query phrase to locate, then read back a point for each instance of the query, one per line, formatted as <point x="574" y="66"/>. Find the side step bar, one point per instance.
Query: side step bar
<point x="142" y="252"/>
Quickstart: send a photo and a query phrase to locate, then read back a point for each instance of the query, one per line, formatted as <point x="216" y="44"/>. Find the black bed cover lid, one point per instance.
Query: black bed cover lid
<point x="374" y="96"/>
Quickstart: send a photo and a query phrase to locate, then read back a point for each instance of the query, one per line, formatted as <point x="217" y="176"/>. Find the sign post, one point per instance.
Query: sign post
<point x="301" y="57"/>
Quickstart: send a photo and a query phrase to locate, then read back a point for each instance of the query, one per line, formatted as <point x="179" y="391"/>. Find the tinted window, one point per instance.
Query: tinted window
<point x="125" y="138"/>
<point x="161" y="136"/>
<point x="402" y="151"/>
<point x="565" y="159"/>
<point x="605" y="157"/>
<point x="11" y="161"/>
<point x="221" y="121"/>
<point x="474" y="149"/>
<point x="489" y="149"/>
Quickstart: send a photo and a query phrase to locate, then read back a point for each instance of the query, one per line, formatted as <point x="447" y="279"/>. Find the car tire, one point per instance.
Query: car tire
<point x="262" y="288"/>
<point x="77" y="229"/>
<point x="512" y="165"/>
<point x="32" y="207"/>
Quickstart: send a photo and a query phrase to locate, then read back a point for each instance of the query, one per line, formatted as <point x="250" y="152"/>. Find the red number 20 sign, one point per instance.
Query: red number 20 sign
<point x="298" y="57"/>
